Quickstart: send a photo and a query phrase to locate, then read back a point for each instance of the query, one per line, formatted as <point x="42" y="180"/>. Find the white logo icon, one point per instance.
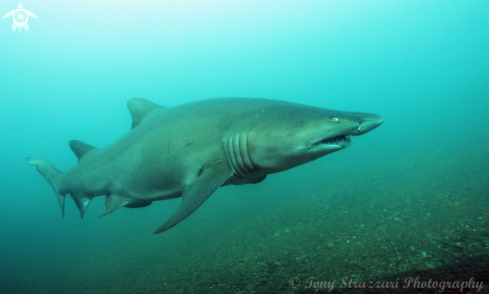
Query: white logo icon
<point x="20" y="17"/>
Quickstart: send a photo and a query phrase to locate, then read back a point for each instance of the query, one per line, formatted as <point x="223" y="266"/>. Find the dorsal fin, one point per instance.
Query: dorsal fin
<point x="80" y="149"/>
<point x="141" y="109"/>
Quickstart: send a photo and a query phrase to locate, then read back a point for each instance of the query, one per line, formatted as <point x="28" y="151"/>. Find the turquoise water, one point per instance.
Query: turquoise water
<point x="419" y="181"/>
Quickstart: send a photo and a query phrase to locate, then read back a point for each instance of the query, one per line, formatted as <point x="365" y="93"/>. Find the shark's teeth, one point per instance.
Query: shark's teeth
<point x="338" y="140"/>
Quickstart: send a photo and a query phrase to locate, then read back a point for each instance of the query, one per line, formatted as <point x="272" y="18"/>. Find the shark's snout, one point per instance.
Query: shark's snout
<point x="370" y="123"/>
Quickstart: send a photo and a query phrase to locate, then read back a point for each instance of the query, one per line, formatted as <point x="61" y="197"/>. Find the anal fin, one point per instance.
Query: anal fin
<point x="61" y="200"/>
<point x="81" y="202"/>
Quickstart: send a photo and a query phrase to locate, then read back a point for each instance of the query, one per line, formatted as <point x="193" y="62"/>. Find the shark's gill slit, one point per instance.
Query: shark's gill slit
<point x="237" y="156"/>
<point x="201" y="170"/>
<point x="243" y="150"/>
<point x="232" y="152"/>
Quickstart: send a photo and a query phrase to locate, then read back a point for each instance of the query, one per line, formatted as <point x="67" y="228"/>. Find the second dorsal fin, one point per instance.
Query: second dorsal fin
<point x="141" y="109"/>
<point x="80" y="149"/>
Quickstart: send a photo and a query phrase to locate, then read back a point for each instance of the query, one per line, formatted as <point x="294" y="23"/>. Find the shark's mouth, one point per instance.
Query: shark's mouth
<point x="343" y="141"/>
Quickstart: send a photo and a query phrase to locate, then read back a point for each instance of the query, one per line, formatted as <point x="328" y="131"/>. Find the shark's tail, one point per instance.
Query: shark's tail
<point x="52" y="174"/>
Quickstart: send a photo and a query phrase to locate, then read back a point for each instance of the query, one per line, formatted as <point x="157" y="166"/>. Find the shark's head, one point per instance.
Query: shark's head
<point x="291" y="136"/>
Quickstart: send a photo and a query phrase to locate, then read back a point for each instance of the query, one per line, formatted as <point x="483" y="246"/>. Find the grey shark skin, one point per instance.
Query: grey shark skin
<point x="192" y="149"/>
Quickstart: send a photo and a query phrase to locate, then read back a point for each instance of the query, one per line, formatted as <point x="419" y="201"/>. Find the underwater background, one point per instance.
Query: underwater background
<point x="410" y="199"/>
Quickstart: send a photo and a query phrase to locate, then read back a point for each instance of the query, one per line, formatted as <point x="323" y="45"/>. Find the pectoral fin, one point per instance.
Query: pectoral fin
<point x="195" y="194"/>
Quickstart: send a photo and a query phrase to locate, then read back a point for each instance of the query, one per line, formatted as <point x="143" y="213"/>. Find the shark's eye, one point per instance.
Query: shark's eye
<point x="334" y="119"/>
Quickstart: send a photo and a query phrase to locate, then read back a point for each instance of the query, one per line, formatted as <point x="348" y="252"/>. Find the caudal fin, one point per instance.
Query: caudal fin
<point x="51" y="173"/>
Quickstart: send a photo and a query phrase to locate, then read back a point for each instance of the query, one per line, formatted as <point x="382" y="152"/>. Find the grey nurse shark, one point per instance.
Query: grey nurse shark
<point x="192" y="149"/>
